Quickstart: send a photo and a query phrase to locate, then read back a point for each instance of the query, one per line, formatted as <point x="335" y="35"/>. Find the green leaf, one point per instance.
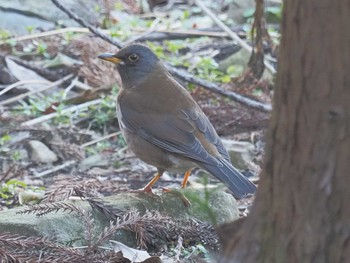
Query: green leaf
<point x="15" y="182"/>
<point x="225" y="78"/>
<point x="5" y="138"/>
<point x="249" y="12"/>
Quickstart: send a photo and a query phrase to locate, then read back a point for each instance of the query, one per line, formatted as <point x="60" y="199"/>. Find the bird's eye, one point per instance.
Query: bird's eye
<point x="133" y="57"/>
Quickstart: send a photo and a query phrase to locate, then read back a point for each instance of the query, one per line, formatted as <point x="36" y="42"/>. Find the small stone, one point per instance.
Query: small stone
<point x="30" y="197"/>
<point x="23" y="155"/>
<point x="41" y="153"/>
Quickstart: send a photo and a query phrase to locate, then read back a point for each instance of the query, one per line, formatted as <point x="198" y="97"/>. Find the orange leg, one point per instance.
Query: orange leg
<point x="148" y="187"/>
<point x="185" y="180"/>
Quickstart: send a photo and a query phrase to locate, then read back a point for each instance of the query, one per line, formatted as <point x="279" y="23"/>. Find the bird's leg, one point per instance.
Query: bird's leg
<point x="186" y="177"/>
<point x="148" y="187"/>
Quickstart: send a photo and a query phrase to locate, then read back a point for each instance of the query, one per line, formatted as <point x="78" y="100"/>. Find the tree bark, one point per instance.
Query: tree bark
<point x="302" y="209"/>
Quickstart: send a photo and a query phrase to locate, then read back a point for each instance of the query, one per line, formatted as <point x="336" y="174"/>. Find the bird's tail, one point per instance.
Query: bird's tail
<point x="232" y="178"/>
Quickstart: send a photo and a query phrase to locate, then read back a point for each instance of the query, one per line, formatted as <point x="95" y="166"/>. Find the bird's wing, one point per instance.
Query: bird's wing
<point x="181" y="133"/>
<point x="204" y="126"/>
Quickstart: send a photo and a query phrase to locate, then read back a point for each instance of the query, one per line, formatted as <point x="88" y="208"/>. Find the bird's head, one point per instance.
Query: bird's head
<point x="134" y="63"/>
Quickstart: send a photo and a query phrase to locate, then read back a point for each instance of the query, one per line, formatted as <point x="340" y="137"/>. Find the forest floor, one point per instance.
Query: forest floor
<point x="57" y="103"/>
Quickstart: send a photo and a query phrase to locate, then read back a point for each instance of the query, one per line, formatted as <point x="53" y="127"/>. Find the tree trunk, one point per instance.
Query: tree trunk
<point x="302" y="208"/>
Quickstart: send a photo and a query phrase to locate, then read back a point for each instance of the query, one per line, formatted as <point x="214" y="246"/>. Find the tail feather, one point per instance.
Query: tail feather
<point x="232" y="178"/>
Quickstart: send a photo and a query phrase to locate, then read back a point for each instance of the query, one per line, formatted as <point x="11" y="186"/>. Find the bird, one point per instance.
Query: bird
<point x="164" y="126"/>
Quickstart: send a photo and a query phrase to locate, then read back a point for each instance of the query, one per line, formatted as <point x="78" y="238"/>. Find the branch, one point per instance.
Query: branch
<point x="23" y="82"/>
<point x="45" y="34"/>
<point x="55" y="168"/>
<point x="55" y="114"/>
<point x="232" y="34"/>
<point x="83" y="23"/>
<point x="100" y="139"/>
<point x="180" y="74"/>
<point x="22" y="96"/>
<point x="215" y="88"/>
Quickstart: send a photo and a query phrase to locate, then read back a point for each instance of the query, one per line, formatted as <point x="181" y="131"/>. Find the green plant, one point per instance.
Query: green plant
<point x="103" y="112"/>
<point x="4" y="34"/>
<point x="273" y="14"/>
<point x="67" y="37"/>
<point x="118" y="5"/>
<point x="157" y="49"/>
<point x="200" y="250"/>
<point x="8" y="189"/>
<point x="203" y="66"/>
<point x="97" y="8"/>
<point x="16" y="155"/>
<point x="41" y="49"/>
<point x="204" y="202"/>
<point x="175" y="45"/>
<point x="3" y="140"/>
<point x="37" y="105"/>
<point x="207" y="68"/>
<point x="98" y="147"/>
<point x="30" y="29"/>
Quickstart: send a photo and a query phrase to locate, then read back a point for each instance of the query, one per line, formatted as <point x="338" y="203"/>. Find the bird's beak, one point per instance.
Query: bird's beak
<point x="110" y="57"/>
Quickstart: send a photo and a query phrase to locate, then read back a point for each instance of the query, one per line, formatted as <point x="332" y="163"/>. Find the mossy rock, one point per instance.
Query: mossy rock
<point x="66" y="227"/>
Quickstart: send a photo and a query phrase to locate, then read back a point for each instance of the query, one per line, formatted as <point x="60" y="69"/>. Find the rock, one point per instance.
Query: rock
<point x="41" y="153"/>
<point x="18" y="137"/>
<point x="23" y="155"/>
<point x="96" y="160"/>
<point x="70" y="226"/>
<point x="17" y="23"/>
<point x="30" y="197"/>
<point x="17" y="15"/>
<point x="22" y="73"/>
<point x="239" y="60"/>
<point x="241" y="153"/>
<point x="220" y="204"/>
<point x="237" y="9"/>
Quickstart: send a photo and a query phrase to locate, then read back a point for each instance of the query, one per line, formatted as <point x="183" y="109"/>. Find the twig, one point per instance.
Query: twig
<point x="100" y="139"/>
<point x="147" y="32"/>
<point x="21" y="96"/>
<point x="215" y="88"/>
<point x="55" y="168"/>
<point x="232" y="34"/>
<point x="106" y="31"/>
<point x="182" y="75"/>
<point x="186" y="32"/>
<point x="83" y="23"/>
<point x="82" y="85"/>
<point x="55" y="114"/>
<point x="7" y="173"/>
<point x="23" y="82"/>
<point x="69" y="88"/>
<point x="47" y="33"/>
<point x="46" y="73"/>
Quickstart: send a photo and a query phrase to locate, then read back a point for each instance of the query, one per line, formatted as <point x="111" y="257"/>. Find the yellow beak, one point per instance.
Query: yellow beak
<point x="110" y="57"/>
